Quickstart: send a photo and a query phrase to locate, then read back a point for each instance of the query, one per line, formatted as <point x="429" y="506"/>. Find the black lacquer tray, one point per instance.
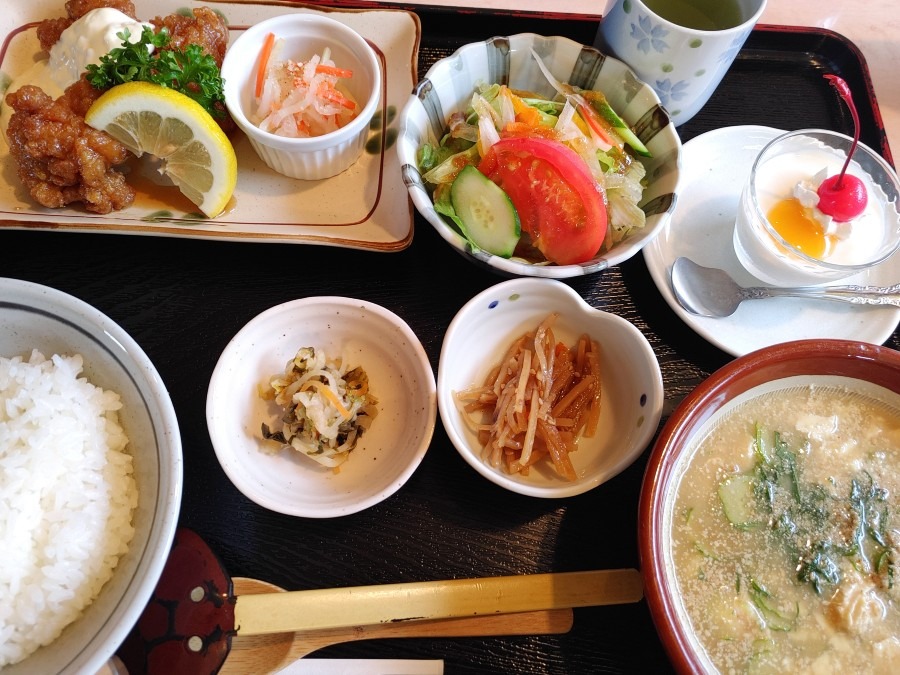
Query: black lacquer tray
<point x="183" y="299"/>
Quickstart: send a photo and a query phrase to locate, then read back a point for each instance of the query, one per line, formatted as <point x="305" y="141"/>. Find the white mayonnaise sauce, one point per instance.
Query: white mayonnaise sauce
<point x="84" y="42"/>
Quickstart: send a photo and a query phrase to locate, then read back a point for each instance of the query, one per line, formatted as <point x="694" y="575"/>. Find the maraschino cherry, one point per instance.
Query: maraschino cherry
<point x="843" y="197"/>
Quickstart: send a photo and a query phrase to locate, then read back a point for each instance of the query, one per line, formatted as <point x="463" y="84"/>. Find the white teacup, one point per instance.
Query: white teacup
<point x="681" y="48"/>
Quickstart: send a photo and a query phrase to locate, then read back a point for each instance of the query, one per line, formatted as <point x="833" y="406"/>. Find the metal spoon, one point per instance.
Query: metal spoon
<point x="711" y="292"/>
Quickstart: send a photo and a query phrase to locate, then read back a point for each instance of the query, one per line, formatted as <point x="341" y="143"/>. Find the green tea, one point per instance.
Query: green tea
<point x="699" y="14"/>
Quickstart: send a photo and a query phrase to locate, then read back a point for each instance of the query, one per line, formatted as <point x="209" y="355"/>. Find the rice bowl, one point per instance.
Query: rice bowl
<point x="38" y="317"/>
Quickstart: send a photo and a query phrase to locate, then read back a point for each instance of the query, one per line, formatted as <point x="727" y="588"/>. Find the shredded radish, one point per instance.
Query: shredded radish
<point x="488" y="120"/>
<point x="327" y="406"/>
<point x="303" y="99"/>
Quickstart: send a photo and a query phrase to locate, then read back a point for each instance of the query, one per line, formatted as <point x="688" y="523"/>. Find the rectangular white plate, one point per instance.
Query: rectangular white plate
<point x="365" y="207"/>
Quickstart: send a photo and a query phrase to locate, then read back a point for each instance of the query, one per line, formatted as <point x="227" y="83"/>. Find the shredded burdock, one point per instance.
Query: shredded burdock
<point x="537" y="402"/>
<point x="327" y="406"/>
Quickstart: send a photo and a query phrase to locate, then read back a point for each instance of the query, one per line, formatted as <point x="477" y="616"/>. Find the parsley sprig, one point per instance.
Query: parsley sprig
<point x="190" y="71"/>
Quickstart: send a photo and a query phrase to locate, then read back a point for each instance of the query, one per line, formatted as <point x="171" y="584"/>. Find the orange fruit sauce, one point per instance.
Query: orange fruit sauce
<point x="806" y="234"/>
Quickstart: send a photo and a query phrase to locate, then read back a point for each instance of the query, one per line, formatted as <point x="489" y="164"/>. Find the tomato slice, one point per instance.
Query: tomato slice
<point x="560" y="205"/>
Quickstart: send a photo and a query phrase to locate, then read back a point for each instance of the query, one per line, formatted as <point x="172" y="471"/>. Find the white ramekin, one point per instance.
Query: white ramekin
<point x="304" y="35"/>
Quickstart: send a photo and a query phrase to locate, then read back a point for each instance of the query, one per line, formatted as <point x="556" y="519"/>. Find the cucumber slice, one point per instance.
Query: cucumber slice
<point x="621" y="127"/>
<point x="739" y="502"/>
<point x="487" y="216"/>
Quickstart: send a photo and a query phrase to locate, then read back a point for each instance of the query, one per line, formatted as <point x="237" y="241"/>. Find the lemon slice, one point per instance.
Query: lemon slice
<point x="193" y="150"/>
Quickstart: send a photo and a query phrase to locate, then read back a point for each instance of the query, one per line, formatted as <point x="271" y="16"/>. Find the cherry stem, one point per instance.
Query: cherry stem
<point x="844" y="90"/>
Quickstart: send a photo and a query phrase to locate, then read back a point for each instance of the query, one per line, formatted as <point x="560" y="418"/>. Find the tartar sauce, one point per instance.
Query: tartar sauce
<point x="85" y="41"/>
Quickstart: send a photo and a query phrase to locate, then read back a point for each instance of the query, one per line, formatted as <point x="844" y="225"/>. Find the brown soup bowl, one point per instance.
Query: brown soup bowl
<point x="814" y="360"/>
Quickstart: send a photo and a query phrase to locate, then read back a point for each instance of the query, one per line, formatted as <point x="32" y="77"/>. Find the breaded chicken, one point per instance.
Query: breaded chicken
<point x="205" y="28"/>
<point x="59" y="158"/>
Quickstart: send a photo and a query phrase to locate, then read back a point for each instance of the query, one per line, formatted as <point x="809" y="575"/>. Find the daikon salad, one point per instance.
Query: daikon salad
<point x="301" y="99"/>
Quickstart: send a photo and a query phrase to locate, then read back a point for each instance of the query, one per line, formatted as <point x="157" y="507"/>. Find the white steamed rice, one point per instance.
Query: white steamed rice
<point x="67" y="494"/>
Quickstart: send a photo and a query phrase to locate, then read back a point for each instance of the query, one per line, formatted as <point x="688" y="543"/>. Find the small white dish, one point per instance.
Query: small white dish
<point x="715" y="166"/>
<point x="632" y="386"/>
<point x="400" y="376"/>
<point x="299" y="37"/>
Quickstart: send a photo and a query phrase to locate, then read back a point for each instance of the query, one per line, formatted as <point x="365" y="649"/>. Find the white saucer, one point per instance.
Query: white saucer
<point x="714" y="168"/>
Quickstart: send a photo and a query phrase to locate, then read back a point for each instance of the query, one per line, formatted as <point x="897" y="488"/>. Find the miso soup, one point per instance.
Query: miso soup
<point x="785" y="534"/>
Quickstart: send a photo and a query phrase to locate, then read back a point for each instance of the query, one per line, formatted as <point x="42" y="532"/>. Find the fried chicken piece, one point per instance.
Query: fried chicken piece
<point x="49" y="30"/>
<point x="205" y="28"/>
<point x="59" y="158"/>
<point x="208" y="29"/>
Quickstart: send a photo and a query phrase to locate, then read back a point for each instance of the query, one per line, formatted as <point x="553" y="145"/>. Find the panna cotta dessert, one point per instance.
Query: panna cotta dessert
<point x="790" y="233"/>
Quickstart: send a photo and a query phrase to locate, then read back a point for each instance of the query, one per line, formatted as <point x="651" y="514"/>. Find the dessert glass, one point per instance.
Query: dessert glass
<point x="799" y="155"/>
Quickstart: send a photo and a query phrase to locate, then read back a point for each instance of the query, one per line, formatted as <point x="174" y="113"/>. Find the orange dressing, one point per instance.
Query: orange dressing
<point x="798" y="229"/>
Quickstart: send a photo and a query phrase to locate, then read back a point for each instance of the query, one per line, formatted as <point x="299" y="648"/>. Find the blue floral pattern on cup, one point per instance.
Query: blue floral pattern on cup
<point x="649" y="36"/>
<point x="683" y="65"/>
<point x="729" y="54"/>
<point x="667" y="90"/>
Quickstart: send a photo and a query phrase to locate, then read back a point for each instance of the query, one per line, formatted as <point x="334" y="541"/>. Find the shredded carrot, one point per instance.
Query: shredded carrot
<point x="593" y="418"/>
<point x="264" y="55"/>
<point x="579" y="354"/>
<point x="334" y="70"/>
<point x="592" y="119"/>
<point x="525" y="113"/>
<point x="558" y="451"/>
<point x="572" y="395"/>
<point x="521" y="129"/>
<point x="329" y="93"/>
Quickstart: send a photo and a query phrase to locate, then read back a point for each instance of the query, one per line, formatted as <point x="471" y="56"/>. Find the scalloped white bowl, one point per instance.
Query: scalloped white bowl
<point x="632" y="384"/>
<point x="400" y="377"/>
<point x="447" y="88"/>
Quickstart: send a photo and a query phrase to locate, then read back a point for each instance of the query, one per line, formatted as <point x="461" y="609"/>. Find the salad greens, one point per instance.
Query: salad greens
<point x="581" y="120"/>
